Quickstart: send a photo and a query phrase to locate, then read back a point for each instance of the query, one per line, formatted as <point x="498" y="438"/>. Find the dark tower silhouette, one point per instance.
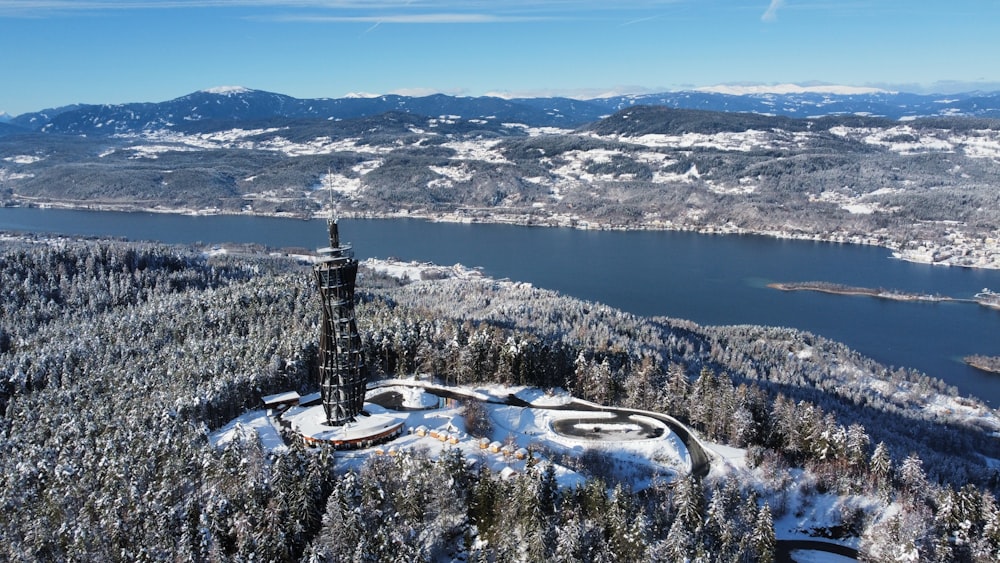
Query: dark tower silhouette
<point x="342" y="369"/>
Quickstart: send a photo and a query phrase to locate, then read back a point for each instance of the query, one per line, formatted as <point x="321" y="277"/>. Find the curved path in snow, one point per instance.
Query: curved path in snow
<point x="701" y="463"/>
<point x="784" y="550"/>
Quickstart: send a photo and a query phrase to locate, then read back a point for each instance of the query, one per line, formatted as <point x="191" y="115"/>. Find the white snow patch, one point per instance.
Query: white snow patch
<point x="743" y="187"/>
<point x="743" y="141"/>
<point x="414" y="271"/>
<point x="907" y="140"/>
<point x="460" y="173"/>
<point x="544" y="398"/>
<point x="692" y="174"/>
<point x="855" y="204"/>
<point x="575" y="164"/>
<point x="858" y="208"/>
<point x="24" y="159"/>
<point x="154" y="151"/>
<point x="986" y="145"/>
<point x="239" y="139"/>
<point x="367" y="166"/>
<point x="8" y="175"/>
<point x="732" y="457"/>
<point x="339" y="183"/>
<point x="969" y="411"/>
<point x="477" y="150"/>
<point x="540" y="131"/>
<point x="227" y="90"/>
<point x="250" y="423"/>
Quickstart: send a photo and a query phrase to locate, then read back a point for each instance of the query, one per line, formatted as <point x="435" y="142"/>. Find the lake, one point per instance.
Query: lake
<point x="710" y="279"/>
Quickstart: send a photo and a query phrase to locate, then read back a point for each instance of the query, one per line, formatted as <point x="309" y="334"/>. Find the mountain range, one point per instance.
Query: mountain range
<point x="914" y="173"/>
<point x="220" y="107"/>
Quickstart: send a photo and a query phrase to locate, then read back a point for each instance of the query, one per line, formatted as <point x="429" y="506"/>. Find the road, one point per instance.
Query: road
<point x="785" y="548"/>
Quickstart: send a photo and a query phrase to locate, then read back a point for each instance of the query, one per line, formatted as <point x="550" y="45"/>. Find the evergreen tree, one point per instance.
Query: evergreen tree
<point x="881" y="469"/>
<point x="911" y="476"/>
<point x="568" y="540"/>
<point x="762" y="536"/>
<point x="680" y="542"/>
<point x="689" y="504"/>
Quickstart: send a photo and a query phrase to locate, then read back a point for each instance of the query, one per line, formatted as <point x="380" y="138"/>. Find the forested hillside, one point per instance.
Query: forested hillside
<point x="117" y="359"/>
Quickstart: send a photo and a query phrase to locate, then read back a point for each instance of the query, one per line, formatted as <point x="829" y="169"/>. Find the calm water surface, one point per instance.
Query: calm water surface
<point x="708" y="279"/>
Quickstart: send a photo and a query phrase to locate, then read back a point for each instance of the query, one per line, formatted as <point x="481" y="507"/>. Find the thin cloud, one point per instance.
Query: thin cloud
<point x="408" y="19"/>
<point x="409" y="11"/>
<point x="772" y="11"/>
<point x="640" y="20"/>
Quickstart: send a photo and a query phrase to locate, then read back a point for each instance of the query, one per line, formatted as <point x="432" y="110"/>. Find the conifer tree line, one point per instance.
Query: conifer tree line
<point x="117" y="359"/>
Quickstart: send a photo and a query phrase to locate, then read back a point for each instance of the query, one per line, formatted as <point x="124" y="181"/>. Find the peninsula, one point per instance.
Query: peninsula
<point x="881" y="293"/>
<point x="985" y="363"/>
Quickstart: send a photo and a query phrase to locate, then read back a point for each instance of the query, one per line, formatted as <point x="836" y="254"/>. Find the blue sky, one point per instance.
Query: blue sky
<point x="57" y="52"/>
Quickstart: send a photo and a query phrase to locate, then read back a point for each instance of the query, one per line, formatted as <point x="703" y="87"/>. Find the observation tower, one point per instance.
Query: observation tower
<point x="342" y="370"/>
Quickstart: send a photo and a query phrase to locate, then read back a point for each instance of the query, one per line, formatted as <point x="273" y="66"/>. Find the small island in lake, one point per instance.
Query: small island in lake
<point x="840" y="289"/>
<point x="985" y="363"/>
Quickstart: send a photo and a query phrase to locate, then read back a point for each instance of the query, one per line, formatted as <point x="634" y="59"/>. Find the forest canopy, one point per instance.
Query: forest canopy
<point x="118" y="359"/>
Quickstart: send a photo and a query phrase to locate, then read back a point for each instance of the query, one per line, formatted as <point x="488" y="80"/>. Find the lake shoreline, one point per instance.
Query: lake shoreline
<point x="725" y="284"/>
<point x="921" y="255"/>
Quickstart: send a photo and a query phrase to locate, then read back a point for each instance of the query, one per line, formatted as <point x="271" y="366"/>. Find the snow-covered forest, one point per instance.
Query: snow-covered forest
<point x="117" y="360"/>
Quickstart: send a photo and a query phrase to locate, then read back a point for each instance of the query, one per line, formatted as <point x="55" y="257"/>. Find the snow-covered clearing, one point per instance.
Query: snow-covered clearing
<point x="538" y="131"/>
<point x="247" y="425"/>
<point x="460" y="173"/>
<point x="855" y="204"/>
<point x="163" y="140"/>
<point x="520" y="436"/>
<point x="344" y="185"/>
<point x="23" y="159"/>
<point x="411" y="271"/>
<point x="742" y="141"/>
<point x="8" y="175"/>
<point x="908" y="140"/>
<point x="477" y="150"/>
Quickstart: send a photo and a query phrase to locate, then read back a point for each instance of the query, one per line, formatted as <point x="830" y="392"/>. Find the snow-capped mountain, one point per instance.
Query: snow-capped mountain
<point x="227" y="90"/>
<point x="808" y="103"/>
<point x="224" y="107"/>
<point x="751" y="89"/>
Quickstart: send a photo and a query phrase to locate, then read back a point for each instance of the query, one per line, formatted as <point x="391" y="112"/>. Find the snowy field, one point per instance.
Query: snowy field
<point x="520" y="435"/>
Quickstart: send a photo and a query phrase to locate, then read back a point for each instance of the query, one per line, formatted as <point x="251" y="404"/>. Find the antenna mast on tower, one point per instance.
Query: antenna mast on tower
<point x="331" y="222"/>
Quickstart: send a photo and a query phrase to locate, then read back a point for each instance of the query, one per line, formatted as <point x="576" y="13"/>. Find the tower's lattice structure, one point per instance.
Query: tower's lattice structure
<point x="342" y="371"/>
